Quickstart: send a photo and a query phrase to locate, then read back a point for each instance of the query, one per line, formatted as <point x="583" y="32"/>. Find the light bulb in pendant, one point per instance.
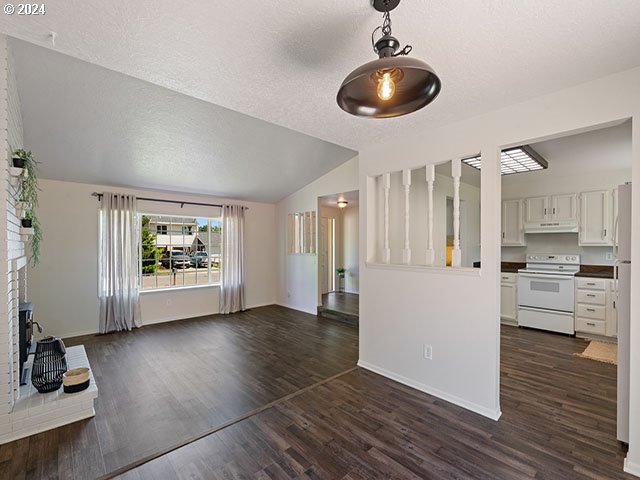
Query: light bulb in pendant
<point x="386" y="87"/>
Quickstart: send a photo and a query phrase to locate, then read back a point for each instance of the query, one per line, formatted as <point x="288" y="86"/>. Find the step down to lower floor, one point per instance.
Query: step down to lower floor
<point x="346" y="318"/>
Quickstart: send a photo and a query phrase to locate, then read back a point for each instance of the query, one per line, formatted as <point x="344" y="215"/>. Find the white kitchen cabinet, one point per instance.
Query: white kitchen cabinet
<point x="595" y="313"/>
<point x="564" y="208"/>
<point x="509" y="298"/>
<point x="512" y="223"/>
<point x="536" y="209"/>
<point x="553" y="208"/>
<point x="596" y="223"/>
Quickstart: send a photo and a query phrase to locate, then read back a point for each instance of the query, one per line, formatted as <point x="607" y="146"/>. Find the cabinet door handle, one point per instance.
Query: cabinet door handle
<point x="591" y="284"/>
<point x="591" y="310"/>
<point x="591" y="324"/>
<point x="554" y="210"/>
<point x="590" y="295"/>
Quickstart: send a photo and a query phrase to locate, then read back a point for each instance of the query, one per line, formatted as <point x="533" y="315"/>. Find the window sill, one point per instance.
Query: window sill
<point x="173" y="289"/>
<point x="465" y="271"/>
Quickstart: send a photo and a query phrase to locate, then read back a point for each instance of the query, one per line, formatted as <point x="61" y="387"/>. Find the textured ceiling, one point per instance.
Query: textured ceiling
<point x="283" y="61"/>
<point x="89" y="124"/>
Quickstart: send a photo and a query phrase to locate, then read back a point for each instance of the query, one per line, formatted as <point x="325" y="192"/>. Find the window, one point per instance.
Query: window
<point x="301" y="233"/>
<point x="179" y="251"/>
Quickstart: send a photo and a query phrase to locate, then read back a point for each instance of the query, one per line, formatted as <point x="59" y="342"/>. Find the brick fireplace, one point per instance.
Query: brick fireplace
<point x="24" y="411"/>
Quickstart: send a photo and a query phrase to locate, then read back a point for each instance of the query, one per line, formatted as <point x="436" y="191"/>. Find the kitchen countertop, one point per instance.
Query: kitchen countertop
<point x="595" y="271"/>
<point x="511" y="267"/>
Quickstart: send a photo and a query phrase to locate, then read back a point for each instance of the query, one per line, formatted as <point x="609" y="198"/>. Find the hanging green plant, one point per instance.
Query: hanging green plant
<point x="27" y="193"/>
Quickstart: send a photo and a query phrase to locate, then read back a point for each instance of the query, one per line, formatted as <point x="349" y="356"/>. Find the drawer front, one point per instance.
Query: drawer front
<point x="591" y="311"/>
<point x="592" y="297"/>
<point x="508" y="277"/>
<point x="588" y="325"/>
<point x="591" y="283"/>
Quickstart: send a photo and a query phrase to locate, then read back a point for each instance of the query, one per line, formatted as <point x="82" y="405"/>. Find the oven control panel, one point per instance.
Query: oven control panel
<point x="563" y="259"/>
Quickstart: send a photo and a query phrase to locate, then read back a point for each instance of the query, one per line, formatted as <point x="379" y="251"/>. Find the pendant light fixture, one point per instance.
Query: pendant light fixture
<point x="392" y="85"/>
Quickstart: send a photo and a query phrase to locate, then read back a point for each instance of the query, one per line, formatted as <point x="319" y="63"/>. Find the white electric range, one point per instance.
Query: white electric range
<point x="546" y="292"/>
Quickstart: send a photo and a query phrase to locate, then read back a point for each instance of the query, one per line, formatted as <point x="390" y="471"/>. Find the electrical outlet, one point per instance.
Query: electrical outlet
<point x="608" y="256"/>
<point x="428" y="352"/>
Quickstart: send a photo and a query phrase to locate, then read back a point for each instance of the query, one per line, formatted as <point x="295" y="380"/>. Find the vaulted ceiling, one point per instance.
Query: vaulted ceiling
<point x="282" y="62"/>
<point x="89" y="124"/>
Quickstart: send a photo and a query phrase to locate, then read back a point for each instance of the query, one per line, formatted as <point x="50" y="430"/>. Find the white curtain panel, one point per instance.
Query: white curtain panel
<point x="118" y="263"/>
<point x="232" y="268"/>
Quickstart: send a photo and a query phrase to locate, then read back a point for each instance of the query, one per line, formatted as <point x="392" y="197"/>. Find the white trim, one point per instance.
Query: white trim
<point x="631" y="467"/>
<point x="485" y="412"/>
<point x="81" y="333"/>
<point x="173" y="289"/>
<point x="299" y="309"/>
<point x="470" y="272"/>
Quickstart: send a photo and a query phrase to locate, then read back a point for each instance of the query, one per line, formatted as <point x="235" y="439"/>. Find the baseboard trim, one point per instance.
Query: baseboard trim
<point x="631" y="467"/>
<point x="480" y="410"/>
<point x="299" y="309"/>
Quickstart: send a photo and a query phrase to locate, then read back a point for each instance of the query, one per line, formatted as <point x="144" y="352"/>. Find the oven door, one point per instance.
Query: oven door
<point x="547" y="291"/>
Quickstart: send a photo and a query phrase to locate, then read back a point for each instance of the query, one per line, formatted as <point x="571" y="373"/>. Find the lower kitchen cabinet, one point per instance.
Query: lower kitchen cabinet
<point x="509" y="298"/>
<point x="595" y="313"/>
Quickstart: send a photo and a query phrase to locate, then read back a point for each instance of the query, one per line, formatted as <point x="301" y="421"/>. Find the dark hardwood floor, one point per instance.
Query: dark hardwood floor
<point x="164" y="384"/>
<point x="558" y="423"/>
<point x="341" y="302"/>
<point x="277" y="374"/>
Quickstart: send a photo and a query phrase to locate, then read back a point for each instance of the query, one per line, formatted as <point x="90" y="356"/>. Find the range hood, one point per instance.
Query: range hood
<point x="570" y="226"/>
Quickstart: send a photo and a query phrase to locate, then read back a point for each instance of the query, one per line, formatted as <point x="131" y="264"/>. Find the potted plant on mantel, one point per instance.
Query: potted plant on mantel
<point x="27" y="197"/>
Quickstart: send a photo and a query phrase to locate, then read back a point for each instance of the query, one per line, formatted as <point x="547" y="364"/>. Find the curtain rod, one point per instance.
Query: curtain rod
<point x="177" y="202"/>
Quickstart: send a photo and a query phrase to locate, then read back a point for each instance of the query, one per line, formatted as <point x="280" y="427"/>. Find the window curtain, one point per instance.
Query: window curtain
<point x="232" y="268"/>
<point x="118" y="263"/>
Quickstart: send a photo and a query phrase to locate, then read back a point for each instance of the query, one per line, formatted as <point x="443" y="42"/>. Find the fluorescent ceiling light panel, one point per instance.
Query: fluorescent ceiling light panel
<point x="514" y="160"/>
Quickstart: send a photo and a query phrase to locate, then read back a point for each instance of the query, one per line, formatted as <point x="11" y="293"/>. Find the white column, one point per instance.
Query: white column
<point x="456" y="173"/>
<point x="406" y="183"/>
<point x="431" y="177"/>
<point x="386" y="251"/>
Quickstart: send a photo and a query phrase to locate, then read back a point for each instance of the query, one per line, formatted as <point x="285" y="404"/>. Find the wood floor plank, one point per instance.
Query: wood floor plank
<point x="558" y="422"/>
<point x="165" y="383"/>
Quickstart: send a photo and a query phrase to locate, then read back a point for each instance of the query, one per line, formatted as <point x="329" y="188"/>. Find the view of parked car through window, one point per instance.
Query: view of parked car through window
<point x="179" y="251"/>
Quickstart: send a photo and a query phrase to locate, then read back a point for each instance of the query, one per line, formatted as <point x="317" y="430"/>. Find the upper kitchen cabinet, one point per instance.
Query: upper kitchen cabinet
<point x="536" y="209"/>
<point x="555" y="213"/>
<point x="512" y="223"/>
<point x="596" y="218"/>
<point x="564" y="208"/>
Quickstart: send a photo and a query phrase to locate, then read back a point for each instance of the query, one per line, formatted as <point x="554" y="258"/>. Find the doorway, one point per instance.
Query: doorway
<point x="338" y="262"/>
<point x="561" y="225"/>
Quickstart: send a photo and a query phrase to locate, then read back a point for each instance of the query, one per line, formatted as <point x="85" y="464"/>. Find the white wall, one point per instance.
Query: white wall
<point x="578" y="163"/>
<point x="298" y="279"/>
<point x="350" y="248"/>
<point x="64" y="287"/>
<point x="403" y="308"/>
